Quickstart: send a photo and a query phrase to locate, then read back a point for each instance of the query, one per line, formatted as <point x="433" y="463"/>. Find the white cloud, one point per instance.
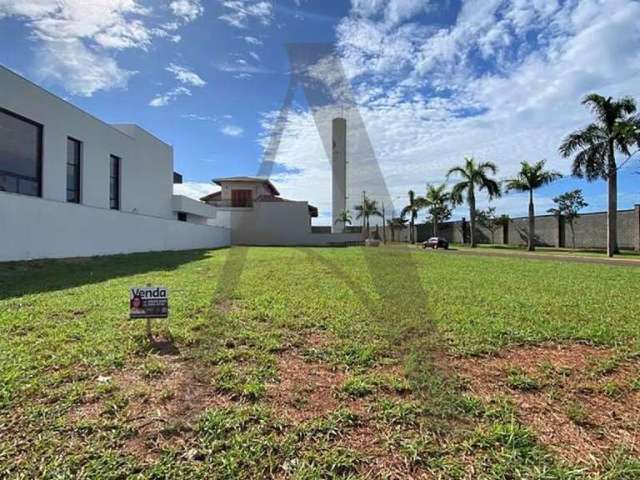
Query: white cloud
<point x="195" y="190"/>
<point x="428" y="114"/>
<point x="92" y="29"/>
<point x="188" y="10"/>
<point x="186" y="76"/>
<point x="165" y="99"/>
<point x="82" y="71"/>
<point x="201" y="118"/>
<point x="252" y="40"/>
<point x="232" y="130"/>
<point x="238" y="13"/>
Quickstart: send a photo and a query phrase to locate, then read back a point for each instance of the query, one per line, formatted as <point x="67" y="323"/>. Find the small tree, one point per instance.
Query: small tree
<point x="344" y="217"/>
<point x="487" y="219"/>
<point x="569" y="205"/>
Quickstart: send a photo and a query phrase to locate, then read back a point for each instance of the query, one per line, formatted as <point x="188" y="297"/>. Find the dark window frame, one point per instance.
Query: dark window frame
<point x="115" y="202"/>
<point x="78" y="185"/>
<point x="39" y="149"/>
<point x="242" y="197"/>
<point x="182" y="217"/>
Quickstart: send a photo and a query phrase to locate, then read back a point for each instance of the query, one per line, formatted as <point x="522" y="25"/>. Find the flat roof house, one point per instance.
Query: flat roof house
<point x="72" y="185"/>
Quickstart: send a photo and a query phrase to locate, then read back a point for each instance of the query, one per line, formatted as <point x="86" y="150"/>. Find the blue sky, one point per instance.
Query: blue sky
<point x="434" y="80"/>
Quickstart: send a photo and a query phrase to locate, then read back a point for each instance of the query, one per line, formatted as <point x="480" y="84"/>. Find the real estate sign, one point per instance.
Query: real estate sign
<point x="149" y="302"/>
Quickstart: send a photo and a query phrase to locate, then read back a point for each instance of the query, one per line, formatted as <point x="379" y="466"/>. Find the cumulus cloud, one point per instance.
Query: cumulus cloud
<point x="188" y="10"/>
<point x="82" y="71"/>
<point x="75" y="38"/>
<point x="238" y="13"/>
<point x="430" y="95"/>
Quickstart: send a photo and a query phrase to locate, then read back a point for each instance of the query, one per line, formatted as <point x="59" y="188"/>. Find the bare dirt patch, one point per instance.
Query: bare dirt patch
<point x="306" y="389"/>
<point x="309" y="388"/>
<point x="578" y="400"/>
<point x="160" y="408"/>
<point x="226" y="305"/>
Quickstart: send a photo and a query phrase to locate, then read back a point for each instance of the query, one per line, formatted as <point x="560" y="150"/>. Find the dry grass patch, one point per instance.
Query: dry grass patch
<point x="579" y="399"/>
<point x="159" y="401"/>
<point x="307" y="388"/>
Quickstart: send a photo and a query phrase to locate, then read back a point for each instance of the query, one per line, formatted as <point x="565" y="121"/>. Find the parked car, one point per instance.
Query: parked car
<point x="436" y="242"/>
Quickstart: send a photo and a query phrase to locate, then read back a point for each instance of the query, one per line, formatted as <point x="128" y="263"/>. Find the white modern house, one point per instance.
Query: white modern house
<point x="72" y="185"/>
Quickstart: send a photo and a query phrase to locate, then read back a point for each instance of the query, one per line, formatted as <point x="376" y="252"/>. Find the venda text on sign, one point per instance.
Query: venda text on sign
<point x="149" y="302"/>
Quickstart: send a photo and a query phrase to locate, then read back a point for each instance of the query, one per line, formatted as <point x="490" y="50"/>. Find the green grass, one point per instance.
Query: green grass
<point x="565" y="251"/>
<point x="64" y="333"/>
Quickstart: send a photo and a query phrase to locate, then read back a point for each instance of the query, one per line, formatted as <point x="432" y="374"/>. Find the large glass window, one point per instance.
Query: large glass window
<point x="74" y="155"/>
<point x="20" y="154"/>
<point x="114" y="183"/>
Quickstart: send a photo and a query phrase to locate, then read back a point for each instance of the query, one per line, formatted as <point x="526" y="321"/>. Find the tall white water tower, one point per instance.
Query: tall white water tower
<point x="338" y="173"/>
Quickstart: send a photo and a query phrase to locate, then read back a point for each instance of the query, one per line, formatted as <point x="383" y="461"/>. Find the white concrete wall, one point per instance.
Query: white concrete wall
<point x="278" y="223"/>
<point x="146" y="165"/>
<point x="147" y="175"/>
<point x="36" y="228"/>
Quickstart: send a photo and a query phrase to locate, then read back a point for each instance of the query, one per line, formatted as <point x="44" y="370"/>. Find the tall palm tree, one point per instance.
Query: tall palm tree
<point x="344" y="217"/>
<point x="529" y="178"/>
<point x="436" y="201"/>
<point x="473" y="175"/>
<point x="413" y="207"/>
<point x="615" y="129"/>
<point x="366" y="210"/>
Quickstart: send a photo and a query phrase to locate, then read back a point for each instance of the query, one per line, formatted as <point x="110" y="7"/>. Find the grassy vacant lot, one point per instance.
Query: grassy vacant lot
<point x="564" y="252"/>
<point x="321" y="363"/>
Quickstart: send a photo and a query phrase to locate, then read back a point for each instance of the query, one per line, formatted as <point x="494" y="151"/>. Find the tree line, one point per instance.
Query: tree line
<point x="615" y="129"/>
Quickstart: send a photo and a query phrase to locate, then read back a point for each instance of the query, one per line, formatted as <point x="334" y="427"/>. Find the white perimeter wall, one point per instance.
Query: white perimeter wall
<point x="278" y="223"/>
<point x="31" y="227"/>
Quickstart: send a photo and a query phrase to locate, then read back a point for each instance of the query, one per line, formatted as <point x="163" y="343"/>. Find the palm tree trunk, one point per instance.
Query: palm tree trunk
<point x="472" y="219"/>
<point x="532" y="224"/>
<point x="435" y="226"/>
<point x="411" y="233"/>
<point x="612" y="214"/>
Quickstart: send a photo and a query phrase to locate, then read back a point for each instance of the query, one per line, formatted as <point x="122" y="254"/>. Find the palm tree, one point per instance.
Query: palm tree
<point x="344" y="217"/>
<point x="396" y="223"/>
<point x="368" y="209"/>
<point x="473" y="175"/>
<point x="529" y="178"/>
<point x="615" y="129"/>
<point x="415" y="205"/>
<point x="436" y="202"/>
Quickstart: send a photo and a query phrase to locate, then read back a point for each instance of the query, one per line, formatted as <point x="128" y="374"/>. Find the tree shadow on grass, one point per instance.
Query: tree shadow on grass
<point x="41" y="276"/>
